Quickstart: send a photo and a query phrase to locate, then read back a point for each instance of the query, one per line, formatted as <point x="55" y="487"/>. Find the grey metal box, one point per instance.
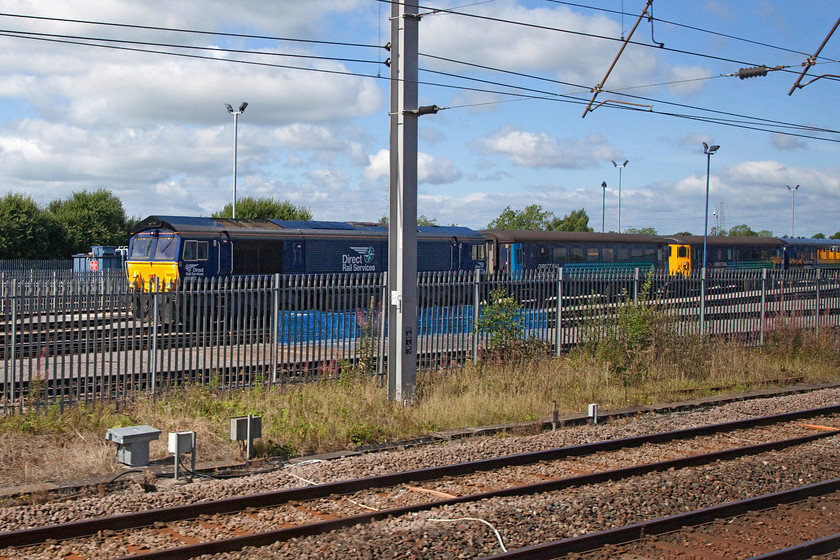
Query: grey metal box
<point x="133" y="443"/>
<point x="239" y="428"/>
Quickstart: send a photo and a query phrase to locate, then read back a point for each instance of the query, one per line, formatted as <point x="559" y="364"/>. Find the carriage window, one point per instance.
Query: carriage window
<point x="622" y="254"/>
<point x="608" y="254"/>
<point x="477" y="252"/>
<point x="593" y="255"/>
<point x="561" y="255"/>
<point x="650" y="254"/>
<point x="167" y="248"/>
<point x="195" y="250"/>
<point x="636" y="252"/>
<point x="141" y="248"/>
<point x="577" y="254"/>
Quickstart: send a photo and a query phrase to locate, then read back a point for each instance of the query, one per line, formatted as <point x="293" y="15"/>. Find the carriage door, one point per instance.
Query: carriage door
<point x="454" y="254"/>
<point x="224" y="254"/>
<point x="515" y="257"/>
<point x="679" y="260"/>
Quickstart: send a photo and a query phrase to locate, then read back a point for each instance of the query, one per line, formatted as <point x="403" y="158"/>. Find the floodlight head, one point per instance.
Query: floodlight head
<point x="242" y="107"/>
<point x="603" y="184"/>
<point x="713" y="149"/>
<point x="709" y="150"/>
<point x="229" y="108"/>
<point x="614" y="163"/>
<point x="626" y="161"/>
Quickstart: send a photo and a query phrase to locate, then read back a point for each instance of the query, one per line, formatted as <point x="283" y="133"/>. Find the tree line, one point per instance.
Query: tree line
<point x="66" y="227"/>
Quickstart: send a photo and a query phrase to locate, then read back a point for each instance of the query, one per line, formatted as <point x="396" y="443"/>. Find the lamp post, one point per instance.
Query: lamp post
<point x="626" y="161"/>
<point x="235" y="127"/>
<point x="792" y="196"/>
<point x="708" y="150"/>
<point x="603" y="203"/>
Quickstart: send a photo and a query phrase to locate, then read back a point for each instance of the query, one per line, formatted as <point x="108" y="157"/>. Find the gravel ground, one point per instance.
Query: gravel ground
<point x="453" y="532"/>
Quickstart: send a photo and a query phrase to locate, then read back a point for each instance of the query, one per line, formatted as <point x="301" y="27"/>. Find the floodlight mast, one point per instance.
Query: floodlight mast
<point x="235" y="147"/>
<point x="709" y="151"/>
<point x="603" y="203"/>
<point x="626" y="161"/>
<point x="792" y="197"/>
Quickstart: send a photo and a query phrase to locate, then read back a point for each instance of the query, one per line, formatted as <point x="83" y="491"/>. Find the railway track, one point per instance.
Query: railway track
<point x="794" y="524"/>
<point x="262" y="519"/>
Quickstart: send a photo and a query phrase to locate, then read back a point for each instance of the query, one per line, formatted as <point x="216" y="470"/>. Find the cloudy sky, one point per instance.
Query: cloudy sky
<point x="137" y="106"/>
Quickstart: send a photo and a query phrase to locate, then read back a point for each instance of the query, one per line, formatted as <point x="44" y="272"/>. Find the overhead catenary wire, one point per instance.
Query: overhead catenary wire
<point x="190" y="31"/>
<point x="213" y="49"/>
<point x="544" y="96"/>
<point x="516" y="89"/>
<point x="529" y="25"/>
<point x="684" y="26"/>
<point x="193" y="56"/>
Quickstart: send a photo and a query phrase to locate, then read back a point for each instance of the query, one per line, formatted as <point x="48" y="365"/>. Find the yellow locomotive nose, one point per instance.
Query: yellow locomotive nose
<point x="151" y="276"/>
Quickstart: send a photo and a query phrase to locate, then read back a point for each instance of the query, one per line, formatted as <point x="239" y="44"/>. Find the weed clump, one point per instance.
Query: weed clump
<point x="503" y="323"/>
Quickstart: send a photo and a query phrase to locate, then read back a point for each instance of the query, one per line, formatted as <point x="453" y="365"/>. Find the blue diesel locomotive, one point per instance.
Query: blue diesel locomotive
<point x="164" y="250"/>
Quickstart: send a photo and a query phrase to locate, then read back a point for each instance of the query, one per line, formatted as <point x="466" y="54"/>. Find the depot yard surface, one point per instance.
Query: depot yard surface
<point x="352" y="410"/>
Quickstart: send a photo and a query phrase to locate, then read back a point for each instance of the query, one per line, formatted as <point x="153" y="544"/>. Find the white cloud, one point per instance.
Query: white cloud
<point x="561" y="41"/>
<point x="785" y="142"/>
<point x="538" y="149"/>
<point x="430" y="170"/>
<point x="379" y="166"/>
<point x="334" y="179"/>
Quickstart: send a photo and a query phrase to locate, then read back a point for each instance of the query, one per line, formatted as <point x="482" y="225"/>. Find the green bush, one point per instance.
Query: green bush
<point x="501" y="320"/>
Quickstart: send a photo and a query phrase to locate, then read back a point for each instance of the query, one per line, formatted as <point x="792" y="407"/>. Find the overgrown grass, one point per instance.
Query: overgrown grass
<point x="638" y="361"/>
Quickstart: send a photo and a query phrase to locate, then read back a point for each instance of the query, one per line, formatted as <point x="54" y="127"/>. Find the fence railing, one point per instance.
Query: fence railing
<point x="70" y="337"/>
<point x="26" y="265"/>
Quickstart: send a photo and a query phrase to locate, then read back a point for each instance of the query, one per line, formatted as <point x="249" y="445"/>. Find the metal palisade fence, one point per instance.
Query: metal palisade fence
<point x="70" y="337"/>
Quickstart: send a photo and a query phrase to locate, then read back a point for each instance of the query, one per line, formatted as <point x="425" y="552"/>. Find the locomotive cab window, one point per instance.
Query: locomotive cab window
<point x="141" y="248"/>
<point x="167" y="248"/>
<point x="196" y="250"/>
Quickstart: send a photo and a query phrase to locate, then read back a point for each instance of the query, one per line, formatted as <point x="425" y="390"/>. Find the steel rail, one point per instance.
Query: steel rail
<point x="270" y="537"/>
<point x="28" y="537"/>
<point x="637" y="531"/>
<point x="34" y="535"/>
<point x="803" y="551"/>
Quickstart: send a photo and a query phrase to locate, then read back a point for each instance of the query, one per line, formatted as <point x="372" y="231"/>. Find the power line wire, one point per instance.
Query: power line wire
<point x="191" y="56"/>
<point x="543" y="95"/>
<point x="685" y="26"/>
<point x="32" y="34"/>
<point x="579" y="33"/>
<point x="190" y="31"/>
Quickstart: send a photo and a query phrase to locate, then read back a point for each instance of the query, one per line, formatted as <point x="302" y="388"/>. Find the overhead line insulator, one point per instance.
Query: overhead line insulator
<point x="753" y="72"/>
